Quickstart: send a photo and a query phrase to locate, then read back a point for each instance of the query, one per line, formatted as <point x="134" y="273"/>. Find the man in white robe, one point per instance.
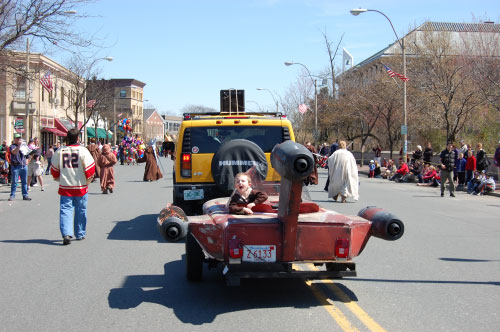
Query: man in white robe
<point x="343" y="173"/>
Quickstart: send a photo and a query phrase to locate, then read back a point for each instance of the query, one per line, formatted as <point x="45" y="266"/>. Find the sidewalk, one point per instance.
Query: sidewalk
<point x="364" y="170"/>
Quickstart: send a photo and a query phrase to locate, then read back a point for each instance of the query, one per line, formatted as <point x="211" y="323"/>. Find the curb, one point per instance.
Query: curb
<point x="496" y="193"/>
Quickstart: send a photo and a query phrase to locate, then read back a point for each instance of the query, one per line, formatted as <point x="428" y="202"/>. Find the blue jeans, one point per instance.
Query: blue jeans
<point x="19" y="171"/>
<point x="73" y="215"/>
<point x="49" y="163"/>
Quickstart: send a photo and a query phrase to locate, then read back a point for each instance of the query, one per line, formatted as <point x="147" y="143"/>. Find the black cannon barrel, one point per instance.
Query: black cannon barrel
<point x="385" y="225"/>
<point x="173" y="229"/>
<point x="292" y="160"/>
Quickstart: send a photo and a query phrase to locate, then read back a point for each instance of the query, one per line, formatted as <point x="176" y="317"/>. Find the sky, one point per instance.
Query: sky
<point x="186" y="51"/>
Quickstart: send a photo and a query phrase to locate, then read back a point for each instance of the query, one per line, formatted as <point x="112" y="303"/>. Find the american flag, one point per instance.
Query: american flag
<point x="46" y="81"/>
<point x="302" y="108"/>
<point x="393" y="73"/>
<point x="91" y="103"/>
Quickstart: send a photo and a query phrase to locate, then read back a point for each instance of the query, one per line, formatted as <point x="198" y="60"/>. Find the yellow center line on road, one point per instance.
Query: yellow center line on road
<point x="371" y="324"/>
<point x="330" y="307"/>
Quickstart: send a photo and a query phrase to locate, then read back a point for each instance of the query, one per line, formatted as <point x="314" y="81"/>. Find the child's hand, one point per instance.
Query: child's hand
<point x="247" y="210"/>
<point x="250" y="205"/>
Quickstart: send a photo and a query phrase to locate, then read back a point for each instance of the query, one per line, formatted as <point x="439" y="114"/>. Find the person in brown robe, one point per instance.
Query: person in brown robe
<point x="107" y="173"/>
<point x="313" y="178"/>
<point x="151" y="171"/>
<point x="94" y="151"/>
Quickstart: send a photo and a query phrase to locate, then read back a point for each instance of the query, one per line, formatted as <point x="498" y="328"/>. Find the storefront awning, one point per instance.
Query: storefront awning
<point x="55" y="131"/>
<point x="64" y="125"/>
<point x="101" y="133"/>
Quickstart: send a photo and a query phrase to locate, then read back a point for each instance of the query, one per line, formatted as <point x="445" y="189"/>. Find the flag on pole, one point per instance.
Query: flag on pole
<point x="46" y="81"/>
<point x="91" y="103"/>
<point x="393" y="73"/>
<point x="303" y="108"/>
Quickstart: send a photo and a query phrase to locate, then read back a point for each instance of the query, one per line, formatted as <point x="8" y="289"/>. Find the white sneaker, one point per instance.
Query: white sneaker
<point x="35" y="185"/>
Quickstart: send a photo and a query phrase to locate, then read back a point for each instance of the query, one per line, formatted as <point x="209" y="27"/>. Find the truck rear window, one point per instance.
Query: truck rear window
<point x="209" y="139"/>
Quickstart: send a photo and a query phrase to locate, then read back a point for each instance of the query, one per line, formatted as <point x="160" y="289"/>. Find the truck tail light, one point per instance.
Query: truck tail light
<point x="235" y="250"/>
<point x="186" y="165"/>
<point x="342" y="248"/>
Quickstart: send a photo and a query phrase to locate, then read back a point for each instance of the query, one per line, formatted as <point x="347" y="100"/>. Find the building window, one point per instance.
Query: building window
<point x="62" y="96"/>
<point x="123" y="93"/>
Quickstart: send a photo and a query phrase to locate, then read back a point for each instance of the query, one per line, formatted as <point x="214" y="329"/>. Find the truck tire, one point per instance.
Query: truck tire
<point x="194" y="259"/>
<point x="233" y="157"/>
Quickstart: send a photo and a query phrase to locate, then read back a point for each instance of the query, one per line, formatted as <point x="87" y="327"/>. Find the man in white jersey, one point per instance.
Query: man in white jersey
<point x="74" y="167"/>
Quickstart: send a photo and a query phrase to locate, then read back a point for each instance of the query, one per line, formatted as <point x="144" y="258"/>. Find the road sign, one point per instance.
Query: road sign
<point x="19" y="125"/>
<point x="316" y="134"/>
<point x="404" y="130"/>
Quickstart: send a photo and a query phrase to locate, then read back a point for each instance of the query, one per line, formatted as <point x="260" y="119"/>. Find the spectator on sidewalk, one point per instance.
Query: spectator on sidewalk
<point x="470" y="167"/>
<point x="371" y="168"/>
<point x="390" y="170"/>
<point x="428" y="152"/>
<point x="487" y="185"/>
<point x="496" y="158"/>
<point x="48" y="155"/>
<point x="447" y="164"/>
<point x="377" y="173"/>
<point x="73" y="166"/>
<point x="417" y="154"/>
<point x="402" y="171"/>
<point x="19" y="167"/>
<point x="378" y="153"/>
<point x="463" y="149"/>
<point x="3" y="150"/>
<point x="461" y="162"/>
<point x="482" y="161"/>
<point x="35" y="168"/>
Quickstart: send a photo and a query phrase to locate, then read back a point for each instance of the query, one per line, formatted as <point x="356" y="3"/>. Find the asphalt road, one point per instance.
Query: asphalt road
<point x="443" y="275"/>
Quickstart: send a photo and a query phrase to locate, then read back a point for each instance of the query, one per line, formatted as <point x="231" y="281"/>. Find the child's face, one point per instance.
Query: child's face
<point x="241" y="183"/>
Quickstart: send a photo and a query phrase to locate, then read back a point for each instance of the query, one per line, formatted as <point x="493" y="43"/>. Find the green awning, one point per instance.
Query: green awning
<point x="90" y="132"/>
<point x="101" y="133"/>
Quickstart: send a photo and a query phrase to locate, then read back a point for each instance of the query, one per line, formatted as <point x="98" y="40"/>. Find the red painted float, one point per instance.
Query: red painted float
<point x="286" y="229"/>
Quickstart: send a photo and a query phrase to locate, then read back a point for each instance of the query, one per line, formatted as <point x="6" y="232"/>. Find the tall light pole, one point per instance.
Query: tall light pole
<point x="27" y="92"/>
<point x="272" y="95"/>
<point x="256" y="103"/>
<point x="316" y="134"/>
<point x="404" y="128"/>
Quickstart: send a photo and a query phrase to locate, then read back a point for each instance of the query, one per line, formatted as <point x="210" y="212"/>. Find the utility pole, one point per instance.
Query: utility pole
<point x="27" y="92"/>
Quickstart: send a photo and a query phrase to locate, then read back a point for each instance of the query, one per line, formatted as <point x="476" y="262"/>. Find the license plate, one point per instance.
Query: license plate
<point x="258" y="254"/>
<point x="191" y="195"/>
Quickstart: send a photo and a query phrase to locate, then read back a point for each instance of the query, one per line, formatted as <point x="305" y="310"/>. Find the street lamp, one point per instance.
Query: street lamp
<point x="401" y="42"/>
<point x="272" y="95"/>
<point x="289" y="63"/>
<point x="256" y="103"/>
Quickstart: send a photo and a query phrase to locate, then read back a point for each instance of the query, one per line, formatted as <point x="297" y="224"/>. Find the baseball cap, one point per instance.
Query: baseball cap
<point x="17" y="135"/>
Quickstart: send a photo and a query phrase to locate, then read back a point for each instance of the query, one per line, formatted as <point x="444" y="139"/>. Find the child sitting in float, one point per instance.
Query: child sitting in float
<point x="244" y="197"/>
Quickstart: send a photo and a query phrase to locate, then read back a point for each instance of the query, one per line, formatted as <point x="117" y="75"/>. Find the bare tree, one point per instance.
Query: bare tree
<point x="81" y="70"/>
<point x="446" y="78"/>
<point x="198" y="109"/>
<point x="100" y="103"/>
<point x="299" y="93"/>
<point x="49" y="21"/>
